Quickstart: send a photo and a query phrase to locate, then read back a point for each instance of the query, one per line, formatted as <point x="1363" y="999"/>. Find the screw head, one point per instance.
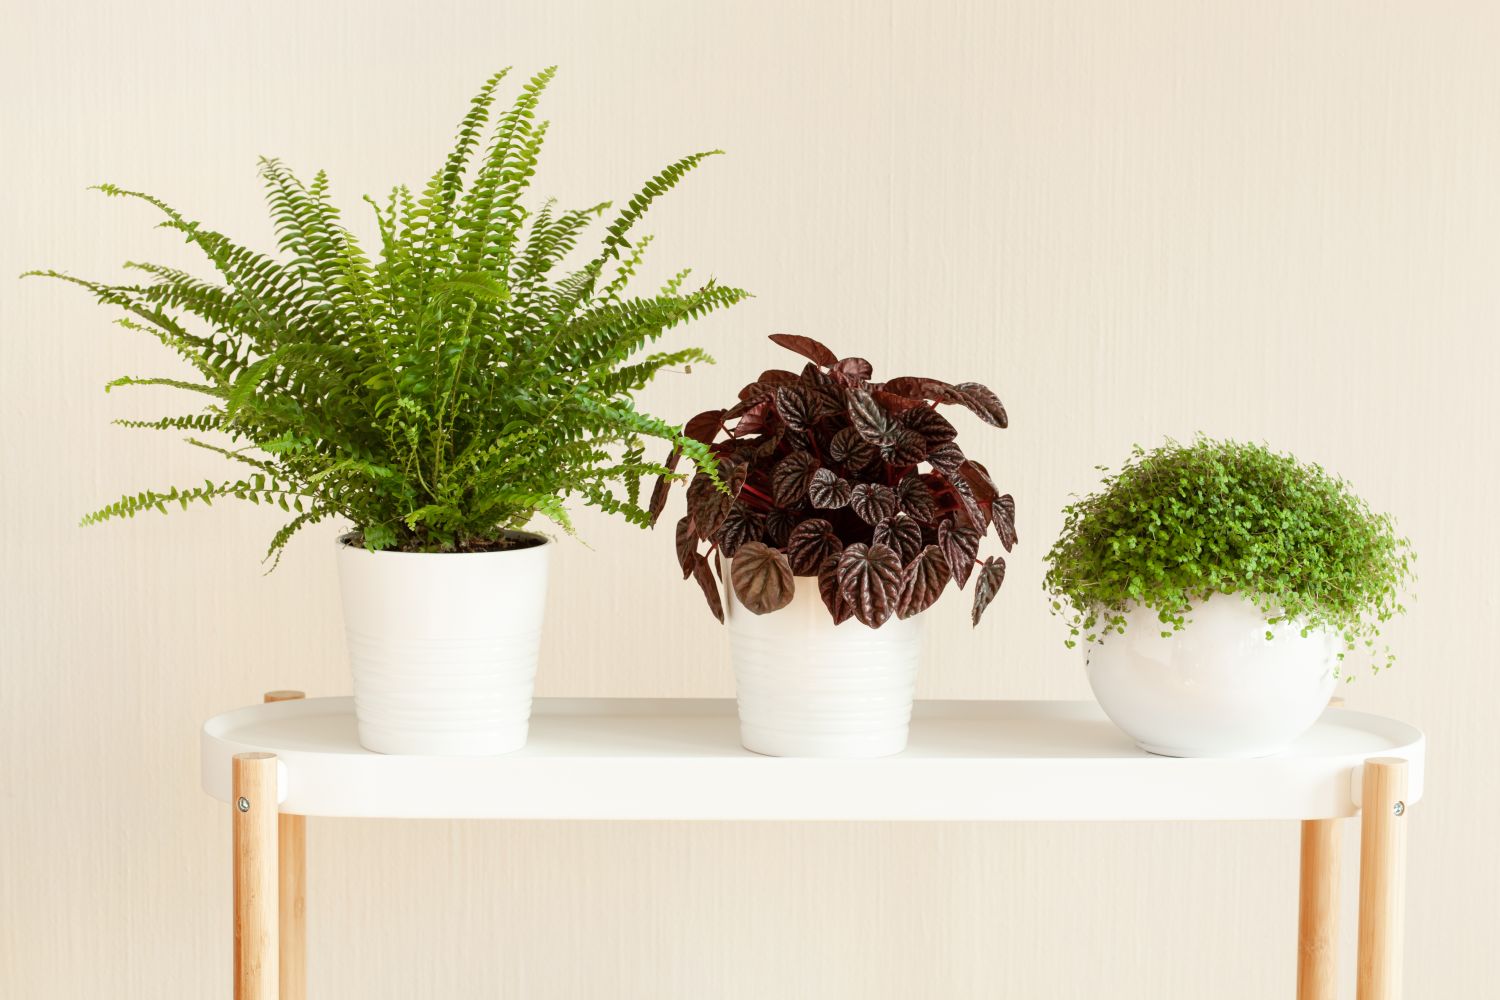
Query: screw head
<point x="1399" y="808"/>
<point x="243" y="804"/>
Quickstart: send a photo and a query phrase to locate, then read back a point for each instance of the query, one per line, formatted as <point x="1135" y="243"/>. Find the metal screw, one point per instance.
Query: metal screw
<point x="244" y="805"/>
<point x="1398" y="808"/>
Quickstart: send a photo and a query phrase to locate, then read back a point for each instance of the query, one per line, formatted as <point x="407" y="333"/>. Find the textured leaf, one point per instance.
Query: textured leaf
<point x="922" y="581"/>
<point x="762" y="578"/>
<point x="932" y="425"/>
<point x="895" y="403"/>
<point x="790" y="477"/>
<point x="904" y="447"/>
<point x="923" y="388"/>
<point x="960" y="544"/>
<point x="707" y="504"/>
<point x="832" y="594"/>
<point x="743" y="524"/>
<point x="873" y="502"/>
<point x="705" y="426"/>
<point x="916" y="500"/>
<point x="902" y="534"/>
<point x="869" y="419"/>
<point x="772" y="377"/>
<point x="870" y="580"/>
<point x="983" y="402"/>
<point x="795" y="407"/>
<point x="1003" y="516"/>
<point x="809" y="544"/>
<point x="704" y="574"/>
<point x="687" y="546"/>
<point x="756" y="419"/>
<point x="829" y="490"/>
<point x="987" y="584"/>
<point x="855" y="368"/>
<point x="779" y="525"/>
<point x="663" y="488"/>
<point x="946" y="458"/>
<point x="807" y="347"/>
<point x="850" y="450"/>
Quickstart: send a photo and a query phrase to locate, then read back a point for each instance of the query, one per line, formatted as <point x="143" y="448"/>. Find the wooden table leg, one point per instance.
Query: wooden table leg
<point x="255" y="892"/>
<point x="292" y="844"/>
<point x="1382" y="877"/>
<point x="1318" y="911"/>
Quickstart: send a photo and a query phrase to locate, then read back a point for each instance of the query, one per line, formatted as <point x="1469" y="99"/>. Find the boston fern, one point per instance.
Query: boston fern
<point x="821" y="479"/>
<point x="450" y="387"/>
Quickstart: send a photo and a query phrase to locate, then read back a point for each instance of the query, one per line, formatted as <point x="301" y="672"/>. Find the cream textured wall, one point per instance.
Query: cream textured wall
<point x="1271" y="220"/>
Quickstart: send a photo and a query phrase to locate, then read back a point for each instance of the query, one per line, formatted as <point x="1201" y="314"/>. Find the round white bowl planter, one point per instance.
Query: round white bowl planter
<point x="444" y="646"/>
<point x="810" y="688"/>
<point x="1218" y="687"/>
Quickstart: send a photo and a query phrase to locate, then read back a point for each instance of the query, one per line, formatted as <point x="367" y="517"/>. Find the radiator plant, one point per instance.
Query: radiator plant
<point x="822" y="480"/>
<point x="459" y="381"/>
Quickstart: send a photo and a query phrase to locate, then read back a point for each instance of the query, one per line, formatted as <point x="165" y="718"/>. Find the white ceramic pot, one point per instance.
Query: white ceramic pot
<point x="809" y="688"/>
<point x="443" y="646"/>
<point x="1219" y="687"/>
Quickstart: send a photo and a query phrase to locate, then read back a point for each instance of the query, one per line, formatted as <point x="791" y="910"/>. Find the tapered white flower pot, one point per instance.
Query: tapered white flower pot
<point x="1219" y="687"/>
<point x="809" y="688"/>
<point x="443" y="646"/>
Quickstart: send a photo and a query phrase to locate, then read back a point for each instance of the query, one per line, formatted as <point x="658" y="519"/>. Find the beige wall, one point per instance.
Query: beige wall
<point x="1275" y="221"/>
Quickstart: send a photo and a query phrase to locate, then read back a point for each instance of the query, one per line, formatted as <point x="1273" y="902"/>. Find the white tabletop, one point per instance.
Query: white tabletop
<point x="628" y="758"/>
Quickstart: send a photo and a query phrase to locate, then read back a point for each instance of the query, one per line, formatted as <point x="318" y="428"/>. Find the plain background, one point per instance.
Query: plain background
<point x="1276" y="221"/>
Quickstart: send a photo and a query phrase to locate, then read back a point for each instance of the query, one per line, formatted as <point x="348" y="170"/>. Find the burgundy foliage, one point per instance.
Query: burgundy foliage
<point x="822" y="477"/>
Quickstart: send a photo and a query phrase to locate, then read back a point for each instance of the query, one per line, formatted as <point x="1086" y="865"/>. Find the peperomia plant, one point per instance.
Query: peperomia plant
<point x="455" y="385"/>
<point x="821" y="478"/>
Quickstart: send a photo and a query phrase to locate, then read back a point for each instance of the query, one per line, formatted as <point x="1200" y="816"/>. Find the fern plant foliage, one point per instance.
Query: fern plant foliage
<point x="473" y="372"/>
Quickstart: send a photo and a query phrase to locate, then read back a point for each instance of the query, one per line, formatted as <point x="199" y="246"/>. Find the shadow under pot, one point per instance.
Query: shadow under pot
<point x="443" y="646"/>
<point x="809" y="688"/>
<point x="1218" y="687"/>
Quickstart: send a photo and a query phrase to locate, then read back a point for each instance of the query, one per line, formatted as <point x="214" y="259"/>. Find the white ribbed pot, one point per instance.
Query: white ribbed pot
<point x="1219" y="687"/>
<point x="443" y="646"/>
<point x="809" y="688"/>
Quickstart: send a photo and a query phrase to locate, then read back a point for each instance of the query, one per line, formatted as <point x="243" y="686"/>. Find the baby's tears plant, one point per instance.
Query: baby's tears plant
<point x="1179" y="523"/>
<point x="462" y="379"/>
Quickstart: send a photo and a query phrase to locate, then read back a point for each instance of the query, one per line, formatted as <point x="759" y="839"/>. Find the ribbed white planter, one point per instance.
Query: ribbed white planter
<point x="809" y="688"/>
<point x="1219" y="687"/>
<point x="443" y="646"/>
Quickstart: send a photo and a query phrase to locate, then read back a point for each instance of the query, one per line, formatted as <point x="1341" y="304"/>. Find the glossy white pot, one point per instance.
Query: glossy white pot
<point x="1219" y="687"/>
<point x="443" y="646"/>
<point x="809" y="688"/>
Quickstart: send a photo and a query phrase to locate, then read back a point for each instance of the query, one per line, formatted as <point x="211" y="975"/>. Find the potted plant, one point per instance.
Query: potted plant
<point x="836" y="541"/>
<point x="438" y="395"/>
<point x="1218" y="586"/>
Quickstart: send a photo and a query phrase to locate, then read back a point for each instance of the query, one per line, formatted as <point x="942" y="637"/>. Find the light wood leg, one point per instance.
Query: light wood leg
<point x="292" y="844"/>
<point x="1318" y="911"/>
<point x="255" y="891"/>
<point x="1382" y="877"/>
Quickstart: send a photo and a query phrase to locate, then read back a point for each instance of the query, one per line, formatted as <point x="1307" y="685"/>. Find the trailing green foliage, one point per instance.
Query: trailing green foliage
<point x="1185" y="521"/>
<point x="451" y="386"/>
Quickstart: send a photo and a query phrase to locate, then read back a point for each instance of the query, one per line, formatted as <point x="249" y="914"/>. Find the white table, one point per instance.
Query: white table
<point x="676" y="759"/>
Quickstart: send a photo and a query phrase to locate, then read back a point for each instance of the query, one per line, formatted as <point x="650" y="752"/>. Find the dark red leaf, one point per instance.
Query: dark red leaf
<point x="790" y="477"/>
<point x="855" y="368"/>
<point x="687" y="546"/>
<point x="795" y="407"/>
<point x="779" y="525"/>
<point x="743" y="524"/>
<point x="663" y="487"/>
<point x="960" y="544"/>
<point x="904" y="447"/>
<point x="873" y="502"/>
<point x="987" y="584"/>
<point x="809" y="544"/>
<point x="915" y="499"/>
<point x="872" y="422"/>
<point x="979" y="481"/>
<point x="923" y="388"/>
<point x="922" y="581"/>
<point x="902" y="534"/>
<point x="870" y="580"/>
<point x="850" y="450"/>
<point x="828" y="589"/>
<point x="1003" y="515"/>
<point x="894" y="402"/>
<point x="946" y="458"/>
<point x="929" y="423"/>
<point x="756" y="419"/>
<point x="710" y="586"/>
<point x="762" y="578"/>
<point x="807" y="347"/>
<point x="976" y="512"/>
<point x="829" y="490"/>
<point x="708" y="505"/>
<point x="983" y="402"/>
<point x="776" y="376"/>
<point x="705" y="426"/>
